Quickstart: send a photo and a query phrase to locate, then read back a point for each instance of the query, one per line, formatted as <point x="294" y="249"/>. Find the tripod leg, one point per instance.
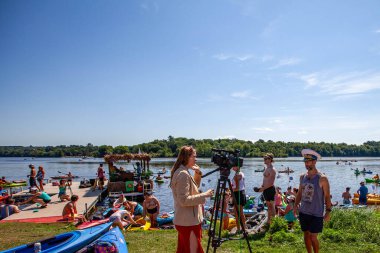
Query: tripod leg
<point x="211" y="229"/>
<point x="215" y="237"/>
<point x="242" y="226"/>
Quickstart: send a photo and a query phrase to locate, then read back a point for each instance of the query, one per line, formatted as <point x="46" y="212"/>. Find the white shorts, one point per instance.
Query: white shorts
<point x="115" y="219"/>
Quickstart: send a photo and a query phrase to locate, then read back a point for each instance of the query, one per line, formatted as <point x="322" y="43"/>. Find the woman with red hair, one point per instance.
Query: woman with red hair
<point x="188" y="201"/>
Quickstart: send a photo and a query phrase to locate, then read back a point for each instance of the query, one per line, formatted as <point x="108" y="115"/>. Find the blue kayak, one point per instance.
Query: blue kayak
<point x="67" y="242"/>
<point x="112" y="241"/>
<point x="162" y="221"/>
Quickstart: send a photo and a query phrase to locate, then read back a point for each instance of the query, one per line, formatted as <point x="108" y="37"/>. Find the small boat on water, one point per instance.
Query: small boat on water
<point x="259" y="170"/>
<point x="67" y="242"/>
<point x="286" y="171"/>
<point x="159" y="181"/>
<point x="371" y="180"/>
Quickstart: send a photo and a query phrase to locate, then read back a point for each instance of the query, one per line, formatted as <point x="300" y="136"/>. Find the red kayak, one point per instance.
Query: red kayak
<point x="89" y="224"/>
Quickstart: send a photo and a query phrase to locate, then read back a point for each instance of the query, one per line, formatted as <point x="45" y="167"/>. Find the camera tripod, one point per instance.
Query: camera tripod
<point x="215" y="238"/>
<point x="68" y="185"/>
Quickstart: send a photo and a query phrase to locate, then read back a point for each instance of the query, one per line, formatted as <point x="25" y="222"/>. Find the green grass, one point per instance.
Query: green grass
<point x="348" y="231"/>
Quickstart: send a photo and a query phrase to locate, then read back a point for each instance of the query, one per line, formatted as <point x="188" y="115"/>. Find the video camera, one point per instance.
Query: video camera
<point x="226" y="159"/>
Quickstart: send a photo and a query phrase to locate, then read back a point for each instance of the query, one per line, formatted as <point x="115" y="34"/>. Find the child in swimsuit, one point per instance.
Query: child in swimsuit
<point x="151" y="208"/>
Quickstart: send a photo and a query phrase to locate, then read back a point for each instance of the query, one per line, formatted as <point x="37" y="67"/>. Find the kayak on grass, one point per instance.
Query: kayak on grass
<point x="112" y="241"/>
<point x="146" y="224"/>
<point x="67" y="242"/>
<point x="165" y="218"/>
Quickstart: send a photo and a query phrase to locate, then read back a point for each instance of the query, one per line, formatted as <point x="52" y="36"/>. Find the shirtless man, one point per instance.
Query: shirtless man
<point x="268" y="188"/>
<point x="151" y="207"/>
<point x="347" y="196"/>
<point x="32" y="177"/>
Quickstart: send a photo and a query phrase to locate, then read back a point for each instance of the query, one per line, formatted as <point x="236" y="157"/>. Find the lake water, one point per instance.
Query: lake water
<point x="340" y="176"/>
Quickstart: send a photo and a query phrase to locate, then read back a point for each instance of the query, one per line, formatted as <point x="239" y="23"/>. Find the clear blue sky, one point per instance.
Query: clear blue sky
<point x="127" y="72"/>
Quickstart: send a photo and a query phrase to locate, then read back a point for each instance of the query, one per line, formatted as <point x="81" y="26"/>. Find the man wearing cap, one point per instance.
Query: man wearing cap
<point x="268" y="189"/>
<point x="314" y="195"/>
<point x="362" y="191"/>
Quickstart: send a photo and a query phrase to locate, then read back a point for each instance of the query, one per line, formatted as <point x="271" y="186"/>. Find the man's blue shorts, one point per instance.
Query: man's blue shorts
<point x="311" y="223"/>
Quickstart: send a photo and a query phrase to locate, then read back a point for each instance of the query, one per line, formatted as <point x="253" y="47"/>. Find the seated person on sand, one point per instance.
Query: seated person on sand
<point x="62" y="191"/>
<point x="70" y="212"/>
<point x="41" y="198"/>
<point x="119" y="216"/>
<point x="159" y="177"/>
<point x="119" y="201"/>
<point x="8" y="208"/>
<point x="151" y="207"/>
<point x="133" y="207"/>
<point x="376" y="177"/>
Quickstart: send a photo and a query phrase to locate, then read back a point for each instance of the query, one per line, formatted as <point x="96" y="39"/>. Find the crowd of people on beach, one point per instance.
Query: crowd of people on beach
<point x="310" y="203"/>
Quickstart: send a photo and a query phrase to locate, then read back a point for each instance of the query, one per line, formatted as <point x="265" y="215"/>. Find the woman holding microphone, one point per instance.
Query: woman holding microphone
<point x="188" y="201"/>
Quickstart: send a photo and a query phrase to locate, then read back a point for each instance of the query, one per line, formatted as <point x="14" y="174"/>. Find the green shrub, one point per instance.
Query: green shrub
<point x="283" y="236"/>
<point x="356" y="225"/>
<point x="278" y="224"/>
<point x="332" y="235"/>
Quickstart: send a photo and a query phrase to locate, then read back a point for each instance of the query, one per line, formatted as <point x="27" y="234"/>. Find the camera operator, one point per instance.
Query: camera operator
<point x="238" y="186"/>
<point x="267" y="187"/>
<point x="188" y="201"/>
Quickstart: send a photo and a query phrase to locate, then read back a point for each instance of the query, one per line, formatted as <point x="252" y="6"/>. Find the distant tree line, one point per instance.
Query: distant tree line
<point x="169" y="148"/>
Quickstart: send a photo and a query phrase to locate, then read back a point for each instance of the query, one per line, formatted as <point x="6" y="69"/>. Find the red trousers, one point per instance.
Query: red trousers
<point x="184" y="232"/>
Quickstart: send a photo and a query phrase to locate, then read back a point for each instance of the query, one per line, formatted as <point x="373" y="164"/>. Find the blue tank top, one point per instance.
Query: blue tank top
<point x="62" y="190"/>
<point x="312" y="201"/>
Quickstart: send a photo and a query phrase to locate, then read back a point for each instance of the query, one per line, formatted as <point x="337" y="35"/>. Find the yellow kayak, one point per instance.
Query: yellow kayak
<point x="370" y="201"/>
<point x="146" y="225"/>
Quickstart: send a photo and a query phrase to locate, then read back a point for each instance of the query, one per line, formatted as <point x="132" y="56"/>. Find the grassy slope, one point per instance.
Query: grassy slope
<point x="346" y="233"/>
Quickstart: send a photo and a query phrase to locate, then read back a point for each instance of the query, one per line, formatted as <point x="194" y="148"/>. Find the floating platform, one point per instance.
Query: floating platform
<point x="53" y="212"/>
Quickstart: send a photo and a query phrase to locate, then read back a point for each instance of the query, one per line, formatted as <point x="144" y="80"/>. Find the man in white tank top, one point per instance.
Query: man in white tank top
<point x="238" y="186"/>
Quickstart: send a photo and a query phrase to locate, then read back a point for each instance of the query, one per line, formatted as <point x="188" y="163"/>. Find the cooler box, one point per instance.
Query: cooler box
<point x="129" y="187"/>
